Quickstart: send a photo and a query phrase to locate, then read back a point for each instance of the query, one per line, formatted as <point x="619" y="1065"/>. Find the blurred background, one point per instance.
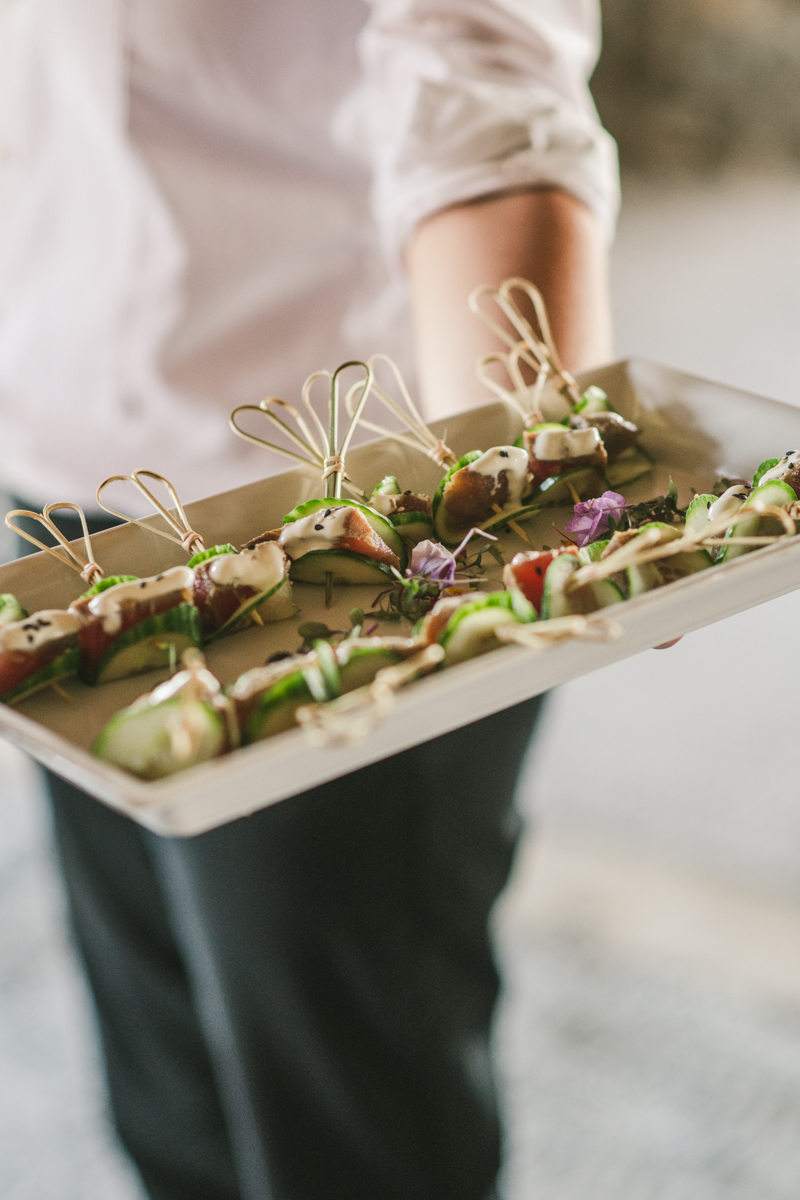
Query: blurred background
<point x="650" y="1036"/>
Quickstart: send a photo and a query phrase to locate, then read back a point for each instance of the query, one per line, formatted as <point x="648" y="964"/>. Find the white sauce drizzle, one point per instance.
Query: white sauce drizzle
<point x="198" y="685"/>
<point x="511" y="459"/>
<point x="108" y="604"/>
<point x="36" y="631"/>
<point x="320" y="531"/>
<point x="729" y="502"/>
<point x="553" y="445"/>
<point x="385" y="505"/>
<point x="787" y="463"/>
<point x="260" y="568"/>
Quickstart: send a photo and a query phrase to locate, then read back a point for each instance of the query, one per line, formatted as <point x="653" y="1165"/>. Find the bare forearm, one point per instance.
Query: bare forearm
<point x="546" y="236"/>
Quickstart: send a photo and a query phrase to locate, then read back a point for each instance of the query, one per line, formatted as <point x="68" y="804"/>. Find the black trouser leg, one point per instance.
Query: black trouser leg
<point x="338" y="943"/>
<point x="163" y="1095"/>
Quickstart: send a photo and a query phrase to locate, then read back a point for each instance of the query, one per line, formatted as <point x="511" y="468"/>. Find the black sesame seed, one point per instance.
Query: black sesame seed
<point x="30" y="637"/>
<point x="319" y="526"/>
<point x="538" y="570"/>
<point x="408" y="493"/>
<point x="45" y="624"/>
<point x="159" y="577"/>
<point x="504" y="454"/>
<point x="29" y="626"/>
<point x="327" y="512"/>
<point x="143" y="583"/>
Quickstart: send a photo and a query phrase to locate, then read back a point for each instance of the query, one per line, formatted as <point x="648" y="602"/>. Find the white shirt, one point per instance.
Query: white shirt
<point x="202" y="201"/>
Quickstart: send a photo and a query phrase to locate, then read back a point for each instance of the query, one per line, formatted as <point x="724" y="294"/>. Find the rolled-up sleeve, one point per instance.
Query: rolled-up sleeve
<point x="465" y="98"/>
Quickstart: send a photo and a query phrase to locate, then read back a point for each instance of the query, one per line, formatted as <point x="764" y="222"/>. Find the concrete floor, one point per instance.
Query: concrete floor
<point x="650" y="1037"/>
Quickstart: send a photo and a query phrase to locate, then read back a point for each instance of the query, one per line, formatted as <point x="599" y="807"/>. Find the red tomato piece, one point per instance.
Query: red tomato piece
<point x="529" y="571"/>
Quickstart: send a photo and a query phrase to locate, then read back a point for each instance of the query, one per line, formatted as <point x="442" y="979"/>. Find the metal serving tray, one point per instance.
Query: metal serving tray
<point x="694" y="429"/>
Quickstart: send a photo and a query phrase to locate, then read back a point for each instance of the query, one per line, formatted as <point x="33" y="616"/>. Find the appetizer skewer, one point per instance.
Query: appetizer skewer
<point x="40" y="650"/>
<point x="331" y="539"/>
<point x="184" y="721"/>
<point x="569" y="457"/>
<point x="410" y="512"/>
<point x="229" y="589"/>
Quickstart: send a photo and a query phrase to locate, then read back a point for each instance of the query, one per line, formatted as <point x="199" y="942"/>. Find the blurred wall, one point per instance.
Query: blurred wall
<point x="690" y="86"/>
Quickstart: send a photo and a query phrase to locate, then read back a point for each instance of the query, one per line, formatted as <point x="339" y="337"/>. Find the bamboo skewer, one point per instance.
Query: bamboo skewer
<point x="87" y="568"/>
<point x="176" y="520"/>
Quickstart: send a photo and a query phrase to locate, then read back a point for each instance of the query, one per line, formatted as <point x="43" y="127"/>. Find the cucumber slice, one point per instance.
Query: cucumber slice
<point x="653" y="575"/>
<point x="765" y="466"/>
<point x="471" y="629"/>
<point x="557" y="602"/>
<point x="388" y="486"/>
<point x="10" y="609"/>
<point x="656" y="574"/>
<point x="360" y="664"/>
<point x="344" y="565"/>
<point x="323" y="677"/>
<point x="215" y="551"/>
<point x="593" y="400"/>
<point x="592" y="553"/>
<point x="631" y="464"/>
<point x="413" y="527"/>
<point x="276" y="604"/>
<point x="103" y="585"/>
<point x="59" y="668"/>
<point x="154" y="642"/>
<point x="275" y="710"/>
<point x="138" y="738"/>
<point x="697" y="513"/>
<point x="585" y="481"/>
<point x="351" y="665"/>
<point x="775" y="493"/>
<point x="382" y="525"/>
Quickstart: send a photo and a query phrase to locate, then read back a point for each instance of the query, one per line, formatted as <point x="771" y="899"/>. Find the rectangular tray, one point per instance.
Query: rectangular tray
<point x="694" y="429"/>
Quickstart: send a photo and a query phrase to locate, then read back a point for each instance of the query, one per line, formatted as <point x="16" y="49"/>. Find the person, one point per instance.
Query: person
<point x="201" y="203"/>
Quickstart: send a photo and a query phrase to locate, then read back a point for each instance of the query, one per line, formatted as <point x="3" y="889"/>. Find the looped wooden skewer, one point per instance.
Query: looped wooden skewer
<point x="418" y="435"/>
<point x="186" y="537"/>
<point x="539" y="635"/>
<point x="525" y="399"/>
<point x="333" y="462"/>
<point x="539" y="348"/>
<point x="313" y="453"/>
<point x="358" y="713"/>
<point x="87" y="568"/>
<point x="312" y="447"/>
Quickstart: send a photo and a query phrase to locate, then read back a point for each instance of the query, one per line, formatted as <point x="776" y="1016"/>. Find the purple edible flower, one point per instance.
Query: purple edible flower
<point x="591" y="516"/>
<point x="432" y="560"/>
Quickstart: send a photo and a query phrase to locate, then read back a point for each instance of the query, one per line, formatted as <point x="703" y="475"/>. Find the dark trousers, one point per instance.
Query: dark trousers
<point x="297" y="1006"/>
